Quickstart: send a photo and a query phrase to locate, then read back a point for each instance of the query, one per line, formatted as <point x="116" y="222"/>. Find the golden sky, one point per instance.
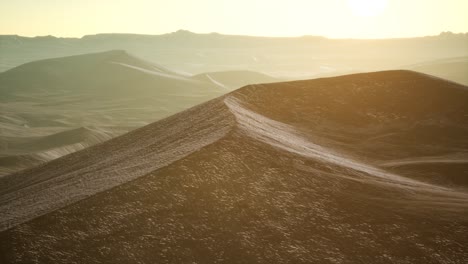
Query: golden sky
<point x="330" y="18"/>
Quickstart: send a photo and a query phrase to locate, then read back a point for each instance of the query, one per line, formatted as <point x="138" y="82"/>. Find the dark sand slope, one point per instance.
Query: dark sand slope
<point x="301" y="172"/>
<point x="54" y="107"/>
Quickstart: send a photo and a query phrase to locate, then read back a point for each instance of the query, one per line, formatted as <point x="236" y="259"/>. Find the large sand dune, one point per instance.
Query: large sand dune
<point x="318" y="171"/>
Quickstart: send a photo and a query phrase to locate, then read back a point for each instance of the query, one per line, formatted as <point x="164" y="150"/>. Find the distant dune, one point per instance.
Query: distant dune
<point x="25" y="152"/>
<point x="74" y="102"/>
<point x="46" y="104"/>
<point x="235" y="79"/>
<point x="316" y="171"/>
<point x="454" y="69"/>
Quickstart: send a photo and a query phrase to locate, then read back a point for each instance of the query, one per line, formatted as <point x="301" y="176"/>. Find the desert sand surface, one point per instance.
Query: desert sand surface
<point x="331" y="170"/>
<point x="54" y="107"/>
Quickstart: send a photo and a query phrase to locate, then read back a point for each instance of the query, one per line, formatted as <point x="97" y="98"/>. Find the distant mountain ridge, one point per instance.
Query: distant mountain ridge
<point x="193" y="53"/>
<point x="183" y="32"/>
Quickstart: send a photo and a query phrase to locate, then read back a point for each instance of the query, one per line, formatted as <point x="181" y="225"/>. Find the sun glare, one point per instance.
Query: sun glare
<point x="368" y="7"/>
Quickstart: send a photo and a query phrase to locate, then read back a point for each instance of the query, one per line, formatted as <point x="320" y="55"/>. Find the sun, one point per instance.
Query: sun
<point x="368" y="7"/>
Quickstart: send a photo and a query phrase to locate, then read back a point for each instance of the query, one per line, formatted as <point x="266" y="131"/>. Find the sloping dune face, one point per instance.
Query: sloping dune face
<point x="337" y="170"/>
<point x="54" y="107"/>
<point x="454" y="69"/>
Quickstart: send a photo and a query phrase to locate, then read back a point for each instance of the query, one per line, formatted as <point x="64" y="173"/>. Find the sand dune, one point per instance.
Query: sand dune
<point x="54" y="107"/>
<point x="26" y="152"/>
<point x="111" y="92"/>
<point x="293" y="172"/>
<point x="230" y="80"/>
<point x="454" y="69"/>
<point x="283" y="136"/>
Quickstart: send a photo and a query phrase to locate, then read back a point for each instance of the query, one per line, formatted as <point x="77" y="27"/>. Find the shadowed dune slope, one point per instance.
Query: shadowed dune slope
<point x="317" y="171"/>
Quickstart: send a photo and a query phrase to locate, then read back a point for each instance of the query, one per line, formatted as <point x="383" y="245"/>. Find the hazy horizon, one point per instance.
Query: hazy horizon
<point x="335" y="19"/>
<point x="226" y="34"/>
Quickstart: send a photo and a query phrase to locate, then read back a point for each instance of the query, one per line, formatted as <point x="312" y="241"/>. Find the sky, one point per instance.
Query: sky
<point x="329" y="18"/>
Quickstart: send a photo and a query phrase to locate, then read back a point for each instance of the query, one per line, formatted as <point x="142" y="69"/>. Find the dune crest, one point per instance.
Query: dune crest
<point x="299" y="172"/>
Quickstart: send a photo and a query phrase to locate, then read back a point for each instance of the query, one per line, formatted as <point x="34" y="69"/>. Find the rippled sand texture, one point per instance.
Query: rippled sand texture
<point x="365" y="168"/>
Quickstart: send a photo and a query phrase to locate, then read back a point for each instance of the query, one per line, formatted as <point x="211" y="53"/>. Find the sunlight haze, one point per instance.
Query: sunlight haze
<point x="368" y="7"/>
<point x="333" y="18"/>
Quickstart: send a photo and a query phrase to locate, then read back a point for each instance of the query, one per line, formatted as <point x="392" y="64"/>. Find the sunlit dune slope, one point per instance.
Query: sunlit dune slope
<point x="317" y="171"/>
